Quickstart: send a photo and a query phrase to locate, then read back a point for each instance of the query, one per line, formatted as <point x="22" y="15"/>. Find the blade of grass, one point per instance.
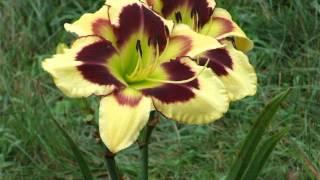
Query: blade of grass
<point x="261" y="156"/>
<point x="304" y="157"/>
<point x="254" y="137"/>
<point x="76" y="151"/>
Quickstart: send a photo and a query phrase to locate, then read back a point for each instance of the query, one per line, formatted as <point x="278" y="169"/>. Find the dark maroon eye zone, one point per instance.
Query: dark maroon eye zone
<point x="198" y="8"/>
<point x="95" y="57"/>
<point x="172" y="93"/>
<point x="135" y="18"/>
<point x="219" y="61"/>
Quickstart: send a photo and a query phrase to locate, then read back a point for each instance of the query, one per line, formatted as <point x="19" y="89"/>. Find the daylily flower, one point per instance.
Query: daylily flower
<point x="231" y="65"/>
<point x="138" y="61"/>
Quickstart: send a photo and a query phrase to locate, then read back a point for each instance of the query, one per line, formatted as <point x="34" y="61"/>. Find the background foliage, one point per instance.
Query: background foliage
<point x="287" y="54"/>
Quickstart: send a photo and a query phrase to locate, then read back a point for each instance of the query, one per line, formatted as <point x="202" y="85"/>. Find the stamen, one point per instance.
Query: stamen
<point x="181" y="81"/>
<point x="196" y="22"/>
<point x="156" y="60"/>
<point x="138" y="47"/>
<point x="137" y="69"/>
<point x="142" y="70"/>
<point x="108" y="10"/>
<point x="198" y="60"/>
<point x="178" y="17"/>
<point x="149" y="41"/>
<point x="193" y="12"/>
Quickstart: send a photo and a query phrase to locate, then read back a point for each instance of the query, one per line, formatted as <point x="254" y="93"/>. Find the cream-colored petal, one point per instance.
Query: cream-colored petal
<point x="193" y="13"/>
<point x="83" y="26"/>
<point x="186" y="42"/>
<point x="116" y="7"/>
<point x="122" y="117"/>
<point x="233" y="69"/>
<point x="67" y="77"/>
<point x="222" y="26"/>
<point x="209" y="103"/>
<point x="241" y="80"/>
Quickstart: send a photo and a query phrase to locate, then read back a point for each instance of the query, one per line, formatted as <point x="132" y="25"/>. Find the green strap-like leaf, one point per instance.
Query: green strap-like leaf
<point x="76" y="151"/>
<point x="254" y="137"/>
<point x="261" y="156"/>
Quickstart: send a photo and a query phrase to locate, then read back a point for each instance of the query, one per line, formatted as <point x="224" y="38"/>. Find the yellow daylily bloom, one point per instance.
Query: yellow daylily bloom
<point x="229" y="63"/>
<point x="138" y="61"/>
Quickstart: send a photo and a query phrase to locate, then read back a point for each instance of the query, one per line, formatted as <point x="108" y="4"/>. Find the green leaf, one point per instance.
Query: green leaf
<point x="76" y="151"/>
<point x="261" y="156"/>
<point x="254" y="137"/>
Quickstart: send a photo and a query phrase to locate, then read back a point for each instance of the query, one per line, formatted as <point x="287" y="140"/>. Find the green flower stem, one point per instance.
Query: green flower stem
<point x="112" y="166"/>
<point x="144" y="142"/>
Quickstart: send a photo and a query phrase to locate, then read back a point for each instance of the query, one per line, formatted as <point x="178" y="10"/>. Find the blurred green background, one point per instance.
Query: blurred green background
<point x="286" y="54"/>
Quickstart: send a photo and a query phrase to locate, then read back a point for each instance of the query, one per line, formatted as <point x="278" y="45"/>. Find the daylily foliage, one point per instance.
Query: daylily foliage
<point x="138" y="61"/>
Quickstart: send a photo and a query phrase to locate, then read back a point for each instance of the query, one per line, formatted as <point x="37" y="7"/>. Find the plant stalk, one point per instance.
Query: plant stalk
<point x="144" y="144"/>
<point x="112" y="166"/>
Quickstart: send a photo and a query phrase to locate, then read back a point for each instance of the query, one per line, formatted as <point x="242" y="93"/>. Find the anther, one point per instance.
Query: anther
<point x="193" y="12"/>
<point x="138" y="47"/>
<point x="178" y="17"/>
<point x="149" y="41"/>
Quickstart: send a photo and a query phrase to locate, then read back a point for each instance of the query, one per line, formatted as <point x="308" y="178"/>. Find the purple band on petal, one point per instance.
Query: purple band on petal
<point x="187" y="44"/>
<point x="172" y="93"/>
<point x="169" y="6"/>
<point x="98" y="74"/>
<point x="130" y="22"/>
<point x="199" y="8"/>
<point x="202" y="9"/>
<point x="155" y="28"/>
<point x="134" y="18"/>
<point x="179" y="71"/>
<point x="99" y="25"/>
<point x="95" y="57"/>
<point x="226" y="25"/>
<point x="97" y="52"/>
<point x="126" y="100"/>
<point x="219" y="61"/>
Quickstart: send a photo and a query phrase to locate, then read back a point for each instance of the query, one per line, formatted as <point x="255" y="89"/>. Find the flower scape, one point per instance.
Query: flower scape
<point x="183" y="58"/>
